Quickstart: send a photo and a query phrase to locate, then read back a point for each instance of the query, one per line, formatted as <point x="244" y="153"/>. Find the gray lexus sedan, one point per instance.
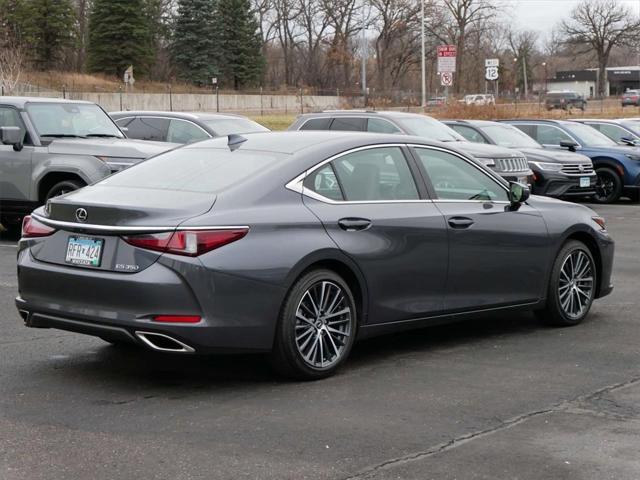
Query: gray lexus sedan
<point x="297" y="243"/>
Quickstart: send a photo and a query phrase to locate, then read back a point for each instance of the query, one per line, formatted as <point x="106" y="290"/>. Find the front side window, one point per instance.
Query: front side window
<point x="71" y="120"/>
<point x="182" y="131"/>
<point x="456" y="179"/>
<point x="348" y="124"/>
<point x="321" y="123"/>
<point x="589" y="137"/>
<point x="550" y="135"/>
<point x="377" y="125"/>
<point x="469" y="133"/>
<point x="509" y="136"/>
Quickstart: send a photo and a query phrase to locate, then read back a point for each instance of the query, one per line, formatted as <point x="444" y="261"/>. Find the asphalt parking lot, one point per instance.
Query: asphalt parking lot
<point x="497" y="397"/>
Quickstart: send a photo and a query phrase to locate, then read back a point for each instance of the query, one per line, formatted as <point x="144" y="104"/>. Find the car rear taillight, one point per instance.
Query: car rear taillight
<point x="177" y="318"/>
<point x="186" y="242"/>
<point x="31" y="228"/>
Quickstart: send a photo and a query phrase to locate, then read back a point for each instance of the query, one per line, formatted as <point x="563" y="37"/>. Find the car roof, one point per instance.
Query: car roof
<point x="475" y="123"/>
<point x="601" y="120"/>
<point x="537" y="120"/>
<point x="20" y="102"/>
<point x="362" y="113"/>
<point x="292" y="142"/>
<point x="180" y="115"/>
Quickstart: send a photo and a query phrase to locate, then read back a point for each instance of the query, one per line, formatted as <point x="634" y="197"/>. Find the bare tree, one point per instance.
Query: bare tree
<point x="523" y="47"/>
<point x="314" y="27"/>
<point x="12" y="61"/>
<point x="599" y="26"/>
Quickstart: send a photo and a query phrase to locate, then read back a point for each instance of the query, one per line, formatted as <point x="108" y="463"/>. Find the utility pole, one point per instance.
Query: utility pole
<point x="364" y="57"/>
<point x="524" y="75"/>
<point x="424" y="71"/>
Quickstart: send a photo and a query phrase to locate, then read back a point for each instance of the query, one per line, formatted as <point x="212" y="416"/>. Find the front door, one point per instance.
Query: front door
<point x="370" y="205"/>
<point x="15" y="167"/>
<point x="497" y="256"/>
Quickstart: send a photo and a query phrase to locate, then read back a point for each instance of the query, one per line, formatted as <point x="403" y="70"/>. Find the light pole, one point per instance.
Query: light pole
<point x="364" y="58"/>
<point x="424" y="70"/>
<point x="544" y="64"/>
<point x="524" y="74"/>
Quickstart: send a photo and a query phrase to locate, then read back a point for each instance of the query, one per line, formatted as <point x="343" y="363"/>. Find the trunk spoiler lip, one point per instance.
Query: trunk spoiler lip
<point x="117" y="229"/>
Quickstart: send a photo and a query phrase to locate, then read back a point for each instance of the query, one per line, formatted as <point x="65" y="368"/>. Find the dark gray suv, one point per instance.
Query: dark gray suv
<point x="510" y="164"/>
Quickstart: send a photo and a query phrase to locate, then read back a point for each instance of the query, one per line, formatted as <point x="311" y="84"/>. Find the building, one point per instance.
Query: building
<point x="619" y="80"/>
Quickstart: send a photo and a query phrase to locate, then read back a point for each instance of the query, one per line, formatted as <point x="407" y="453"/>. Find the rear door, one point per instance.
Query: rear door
<point x="15" y="167"/>
<point x="375" y="211"/>
<point x="496" y="256"/>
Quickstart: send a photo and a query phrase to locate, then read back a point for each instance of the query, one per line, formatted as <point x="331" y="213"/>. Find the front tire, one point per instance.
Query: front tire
<point x="608" y="186"/>
<point x="572" y="286"/>
<point x="65" y="186"/>
<point x="316" y="328"/>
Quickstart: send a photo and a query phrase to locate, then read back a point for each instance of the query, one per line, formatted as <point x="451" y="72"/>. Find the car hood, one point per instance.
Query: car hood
<point x="482" y="150"/>
<point x="543" y="155"/>
<point x="123" y="148"/>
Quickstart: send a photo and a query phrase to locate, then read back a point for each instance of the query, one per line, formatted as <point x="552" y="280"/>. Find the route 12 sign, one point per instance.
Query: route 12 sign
<point x="491" y="69"/>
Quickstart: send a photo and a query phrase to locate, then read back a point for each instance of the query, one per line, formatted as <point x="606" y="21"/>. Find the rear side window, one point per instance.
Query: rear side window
<point x="147" y="128"/>
<point x="195" y="170"/>
<point x="349" y="124"/>
<point x="324" y="182"/>
<point x="375" y="174"/>
<point x="316" y="124"/>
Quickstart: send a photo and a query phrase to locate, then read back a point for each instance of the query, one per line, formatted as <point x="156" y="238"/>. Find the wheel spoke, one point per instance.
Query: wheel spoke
<point x="336" y="314"/>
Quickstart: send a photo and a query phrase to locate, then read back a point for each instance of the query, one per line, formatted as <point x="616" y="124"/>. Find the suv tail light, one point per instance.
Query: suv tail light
<point x="191" y="243"/>
<point x="31" y="228"/>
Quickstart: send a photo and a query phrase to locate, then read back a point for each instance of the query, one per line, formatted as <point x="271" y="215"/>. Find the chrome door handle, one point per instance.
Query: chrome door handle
<point x="354" y="224"/>
<point x="460" y="222"/>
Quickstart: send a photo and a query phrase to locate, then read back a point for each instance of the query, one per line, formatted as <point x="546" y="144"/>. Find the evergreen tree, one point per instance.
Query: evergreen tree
<point x="237" y="27"/>
<point x="119" y="36"/>
<point x="48" y="30"/>
<point x="195" y="50"/>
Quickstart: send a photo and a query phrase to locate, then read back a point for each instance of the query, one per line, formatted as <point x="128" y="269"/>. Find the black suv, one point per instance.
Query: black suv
<point x="564" y="101"/>
<point x="556" y="173"/>
<point x="509" y="164"/>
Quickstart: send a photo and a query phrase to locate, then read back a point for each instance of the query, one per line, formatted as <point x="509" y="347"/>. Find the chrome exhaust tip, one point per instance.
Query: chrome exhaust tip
<point x="163" y="343"/>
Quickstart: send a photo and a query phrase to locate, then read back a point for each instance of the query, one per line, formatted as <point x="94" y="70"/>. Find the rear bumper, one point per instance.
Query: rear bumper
<point x="238" y="315"/>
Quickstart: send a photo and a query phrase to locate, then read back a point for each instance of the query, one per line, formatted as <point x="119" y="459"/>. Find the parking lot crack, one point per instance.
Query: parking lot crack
<point x="575" y="405"/>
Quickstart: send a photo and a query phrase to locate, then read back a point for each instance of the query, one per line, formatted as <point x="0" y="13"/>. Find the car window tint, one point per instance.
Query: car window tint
<point x="317" y="124"/>
<point x="148" y="128"/>
<point x="614" y="132"/>
<point x="376" y="174"/>
<point x="324" y="182"/>
<point x="456" y="179"/>
<point x="469" y="133"/>
<point x="550" y="135"/>
<point x="350" y="124"/>
<point x="182" y="131"/>
<point x="9" y="117"/>
<point x="378" y="125"/>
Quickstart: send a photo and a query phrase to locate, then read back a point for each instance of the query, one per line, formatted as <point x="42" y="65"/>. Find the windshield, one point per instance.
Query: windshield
<point x="508" y="136"/>
<point x="71" y="120"/>
<point x="227" y="126"/>
<point x="589" y="136"/>
<point x="429" y="128"/>
<point x="201" y="170"/>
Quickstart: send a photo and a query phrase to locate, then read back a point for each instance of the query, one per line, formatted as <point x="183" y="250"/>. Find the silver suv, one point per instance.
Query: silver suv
<point x="511" y="164"/>
<point x="51" y="146"/>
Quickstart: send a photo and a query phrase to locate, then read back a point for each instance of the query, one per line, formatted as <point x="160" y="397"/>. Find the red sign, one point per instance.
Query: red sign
<point x="447" y="51"/>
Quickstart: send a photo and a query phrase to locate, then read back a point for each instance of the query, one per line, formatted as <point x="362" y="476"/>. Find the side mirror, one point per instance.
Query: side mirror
<point x="570" y="144"/>
<point x="628" y="141"/>
<point x="518" y="194"/>
<point x="12" y="136"/>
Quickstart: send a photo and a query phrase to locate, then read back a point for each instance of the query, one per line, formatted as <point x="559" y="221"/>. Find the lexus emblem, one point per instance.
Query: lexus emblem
<point x="81" y="215"/>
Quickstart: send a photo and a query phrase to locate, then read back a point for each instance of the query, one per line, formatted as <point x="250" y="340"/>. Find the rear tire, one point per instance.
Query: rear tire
<point x="608" y="186"/>
<point x="572" y="286"/>
<point x="316" y="328"/>
<point x="65" y="186"/>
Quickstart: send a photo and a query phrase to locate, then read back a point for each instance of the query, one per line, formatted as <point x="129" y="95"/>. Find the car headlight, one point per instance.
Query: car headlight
<point x="551" y="167"/>
<point x="118" y="163"/>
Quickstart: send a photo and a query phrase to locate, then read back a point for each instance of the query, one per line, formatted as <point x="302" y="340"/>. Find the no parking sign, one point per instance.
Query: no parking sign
<point x="446" y="79"/>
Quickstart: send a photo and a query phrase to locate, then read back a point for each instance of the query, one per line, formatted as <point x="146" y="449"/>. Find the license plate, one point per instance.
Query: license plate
<point x="84" y="251"/>
<point x="585" y="181"/>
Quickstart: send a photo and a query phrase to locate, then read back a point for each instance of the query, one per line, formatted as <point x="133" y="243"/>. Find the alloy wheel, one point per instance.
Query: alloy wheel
<point x="575" y="286"/>
<point x="605" y="186"/>
<point x="323" y="324"/>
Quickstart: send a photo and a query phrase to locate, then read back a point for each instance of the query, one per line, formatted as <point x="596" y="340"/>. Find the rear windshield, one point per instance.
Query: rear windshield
<point x="195" y="170"/>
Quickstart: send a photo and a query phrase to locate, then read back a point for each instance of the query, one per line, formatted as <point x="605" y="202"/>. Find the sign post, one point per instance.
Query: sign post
<point x="447" y="65"/>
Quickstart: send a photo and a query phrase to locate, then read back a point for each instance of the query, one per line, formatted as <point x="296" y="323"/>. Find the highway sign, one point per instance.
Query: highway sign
<point x="447" y="58"/>
<point x="491" y="73"/>
<point x="491" y="62"/>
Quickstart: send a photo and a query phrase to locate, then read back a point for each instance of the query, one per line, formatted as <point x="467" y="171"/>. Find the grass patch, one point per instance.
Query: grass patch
<point x="274" y="122"/>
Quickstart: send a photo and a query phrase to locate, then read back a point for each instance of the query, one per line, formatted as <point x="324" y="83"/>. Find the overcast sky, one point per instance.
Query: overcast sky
<point x="542" y="15"/>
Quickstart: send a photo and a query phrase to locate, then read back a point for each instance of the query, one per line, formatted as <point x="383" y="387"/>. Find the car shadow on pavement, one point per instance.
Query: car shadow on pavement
<point x="132" y="367"/>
